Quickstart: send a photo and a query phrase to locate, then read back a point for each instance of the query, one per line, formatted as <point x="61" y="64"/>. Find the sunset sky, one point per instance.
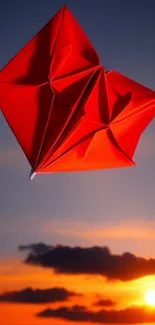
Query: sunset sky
<point x="98" y="228"/>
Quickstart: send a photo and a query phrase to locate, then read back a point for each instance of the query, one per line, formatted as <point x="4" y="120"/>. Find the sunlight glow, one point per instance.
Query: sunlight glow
<point x="150" y="297"/>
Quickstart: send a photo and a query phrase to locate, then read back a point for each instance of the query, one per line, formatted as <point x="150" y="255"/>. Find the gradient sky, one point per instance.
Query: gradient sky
<point x="123" y="34"/>
<point x="113" y="208"/>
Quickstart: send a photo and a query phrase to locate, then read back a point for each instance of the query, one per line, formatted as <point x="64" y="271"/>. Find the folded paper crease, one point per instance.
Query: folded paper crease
<point x="65" y="110"/>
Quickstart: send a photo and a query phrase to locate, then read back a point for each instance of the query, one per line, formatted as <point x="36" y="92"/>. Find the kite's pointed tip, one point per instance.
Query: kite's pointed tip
<point x="65" y="8"/>
<point x="32" y="174"/>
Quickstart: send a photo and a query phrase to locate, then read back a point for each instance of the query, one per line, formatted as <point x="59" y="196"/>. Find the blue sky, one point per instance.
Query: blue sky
<point x="72" y="208"/>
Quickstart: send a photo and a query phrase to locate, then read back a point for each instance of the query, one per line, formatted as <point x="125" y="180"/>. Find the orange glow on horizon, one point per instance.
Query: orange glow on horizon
<point x="16" y="276"/>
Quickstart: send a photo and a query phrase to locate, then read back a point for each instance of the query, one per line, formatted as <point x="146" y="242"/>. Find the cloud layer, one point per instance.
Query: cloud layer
<point x="81" y="314"/>
<point x="94" y="260"/>
<point x="36" y="296"/>
<point x="104" y="303"/>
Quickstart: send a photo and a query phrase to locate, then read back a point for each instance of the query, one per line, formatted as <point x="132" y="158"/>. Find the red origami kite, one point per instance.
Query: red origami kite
<point x="66" y="112"/>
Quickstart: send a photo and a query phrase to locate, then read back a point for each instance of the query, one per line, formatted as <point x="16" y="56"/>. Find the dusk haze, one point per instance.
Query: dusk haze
<point x="77" y="157"/>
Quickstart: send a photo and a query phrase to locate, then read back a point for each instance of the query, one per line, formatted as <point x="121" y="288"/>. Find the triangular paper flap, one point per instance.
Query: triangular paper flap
<point x="123" y="83"/>
<point x="82" y="55"/>
<point x="58" y="61"/>
<point x="122" y="104"/>
<point x="128" y="132"/>
<point x="96" y="106"/>
<point x="32" y="63"/>
<point x="83" y="129"/>
<point x="69" y="89"/>
<point x="133" y="109"/>
<point x="95" y="152"/>
<point x="64" y="118"/>
<point x="26" y="109"/>
<point x="124" y="91"/>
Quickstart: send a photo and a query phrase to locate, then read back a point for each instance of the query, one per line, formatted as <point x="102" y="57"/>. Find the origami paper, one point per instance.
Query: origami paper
<point x="66" y="111"/>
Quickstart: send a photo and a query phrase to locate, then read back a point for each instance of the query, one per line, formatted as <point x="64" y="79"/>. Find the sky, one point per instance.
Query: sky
<point x="109" y="208"/>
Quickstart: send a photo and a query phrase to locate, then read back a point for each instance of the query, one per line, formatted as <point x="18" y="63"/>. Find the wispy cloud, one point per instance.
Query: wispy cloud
<point x="94" y="231"/>
<point x="112" y="228"/>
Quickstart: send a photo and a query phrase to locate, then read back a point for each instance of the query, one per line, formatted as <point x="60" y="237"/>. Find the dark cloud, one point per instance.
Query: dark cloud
<point x="75" y="313"/>
<point x="81" y="314"/>
<point x="39" y="248"/>
<point x="94" y="260"/>
<point x="36" y="296"/>
<point x="104" y="303"/>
